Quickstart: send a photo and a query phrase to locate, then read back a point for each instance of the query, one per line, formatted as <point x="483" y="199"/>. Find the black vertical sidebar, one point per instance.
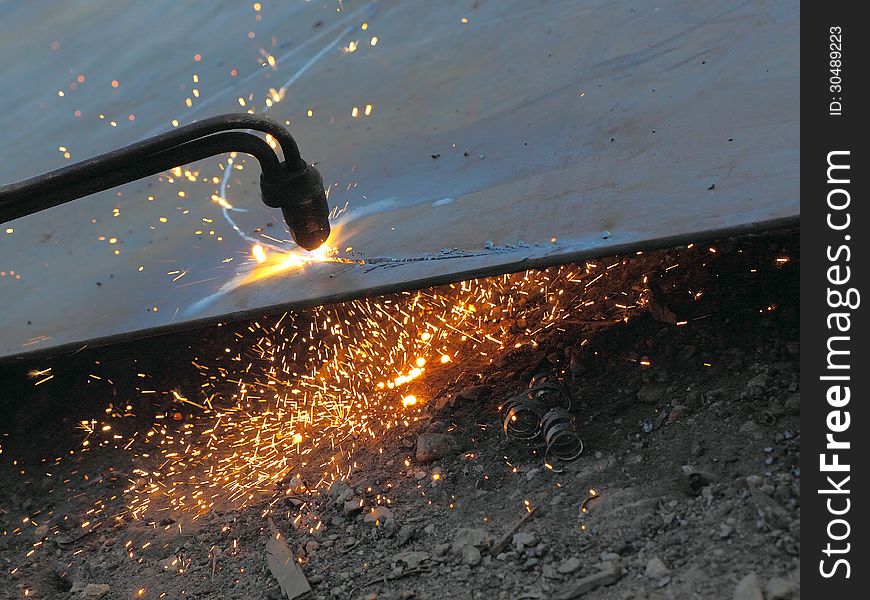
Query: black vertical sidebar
<point x="835" y="362"/>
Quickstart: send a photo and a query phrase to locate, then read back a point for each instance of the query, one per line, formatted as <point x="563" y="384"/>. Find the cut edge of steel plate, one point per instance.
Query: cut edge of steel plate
<point x="759" y="228"/>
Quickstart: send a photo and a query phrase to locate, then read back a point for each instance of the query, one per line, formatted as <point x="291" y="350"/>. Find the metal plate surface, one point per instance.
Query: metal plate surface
<point x="458" y="137"/>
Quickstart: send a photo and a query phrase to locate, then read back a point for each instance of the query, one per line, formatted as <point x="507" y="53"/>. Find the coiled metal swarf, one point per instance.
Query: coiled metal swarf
<point x="542" y="412"/>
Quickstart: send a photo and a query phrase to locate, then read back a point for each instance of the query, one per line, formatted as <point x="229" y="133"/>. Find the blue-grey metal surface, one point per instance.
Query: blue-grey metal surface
<point x="471" y="137"/>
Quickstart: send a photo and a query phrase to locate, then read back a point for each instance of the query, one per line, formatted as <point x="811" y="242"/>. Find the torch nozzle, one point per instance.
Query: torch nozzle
<point x="302" y="200"/>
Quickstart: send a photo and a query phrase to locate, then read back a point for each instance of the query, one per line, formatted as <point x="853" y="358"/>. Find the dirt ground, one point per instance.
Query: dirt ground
<point x="692" y="447"/>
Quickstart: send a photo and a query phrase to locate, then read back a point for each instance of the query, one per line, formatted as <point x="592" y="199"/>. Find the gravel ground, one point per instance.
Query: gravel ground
<point x="692" y="446"/>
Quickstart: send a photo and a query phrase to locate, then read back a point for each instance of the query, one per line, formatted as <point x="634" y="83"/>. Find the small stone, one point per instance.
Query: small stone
<point x="655" y="568"/>
<point x="522" y="540"/>
<point x="340" y="490"/>
<point x="296" y="485"/>
<point x="311" y="547"/>
<point x="780" y="589"/>
<point x="94" y="591"/>
<point x="609" y="574"/>
<point x="411" y="558"/>
<point x="441" y="549"/>
<point x="406" y="533"/>
<point x="569" y="565"/>
<point x="170" y="564"/>
<point x="379" y="516"/>
<point x="749" y="426"/>
<point x="352" y="507"/>
<point x="748" y="588"/>
<point x="756" y="388"/>
<point x="677" y="413"/>
<point x="470" y="556"/>
<point x="471" y="393"/>
<point x="467" y="536"/>
<point x="433" y="446"/>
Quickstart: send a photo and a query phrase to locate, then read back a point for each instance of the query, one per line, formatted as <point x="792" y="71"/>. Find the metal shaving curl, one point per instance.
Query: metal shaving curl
<point x="543" y="412"/>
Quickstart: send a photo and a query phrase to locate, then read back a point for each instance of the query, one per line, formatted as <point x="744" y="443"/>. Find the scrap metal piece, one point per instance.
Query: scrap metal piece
<point x="282" y="565"/>
<point x="543" y="412"/>
<point x="524" y="413"/>
<point x="560" y="437"/>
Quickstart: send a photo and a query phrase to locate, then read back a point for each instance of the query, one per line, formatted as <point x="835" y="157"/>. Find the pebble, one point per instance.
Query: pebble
<point x="170" y="564"/>
<point x="677" y="413"/>
<point x="522" y="540"/>
<point x="748" y="588"/>
<point x="470" y="556"/>
<point x="406" y="533"/>
<point x="655" y="568"/>
<point x="441" y="549"/>
<point x="467" y="536"/>
<point x="569" y="565"/>
<point x="411" y="558"/>
<point x="609" y="574"/>
<point x="756" y="388"/>
<point x="352" y="507"/>
<point x="749" y="426"/>
<point x="434" y="446"/>
<point x="471" y="393"/>
<point x="340" y="490"/>
<point x="93" y="591"/>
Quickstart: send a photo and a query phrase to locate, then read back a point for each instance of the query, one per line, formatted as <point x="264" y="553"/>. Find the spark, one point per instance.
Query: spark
<point x="259" y="253"/>
<point x="303" y="392"/>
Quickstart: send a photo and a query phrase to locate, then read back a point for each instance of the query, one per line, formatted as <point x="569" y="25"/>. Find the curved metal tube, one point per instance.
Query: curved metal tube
<point x="291" y="185"/>
<point x="84" y="178"/>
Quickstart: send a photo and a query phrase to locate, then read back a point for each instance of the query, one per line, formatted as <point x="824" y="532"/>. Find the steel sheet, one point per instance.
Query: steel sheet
<point x="462" y="137"/>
